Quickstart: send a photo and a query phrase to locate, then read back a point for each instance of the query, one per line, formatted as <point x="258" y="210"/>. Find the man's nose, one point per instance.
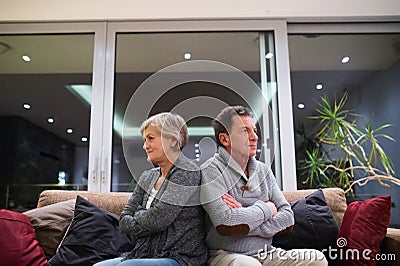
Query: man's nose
<point x="253" y="135"/>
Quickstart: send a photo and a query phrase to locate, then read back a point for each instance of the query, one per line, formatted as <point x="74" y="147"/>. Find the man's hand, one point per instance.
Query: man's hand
<point x="231" y="202"/>
<point x="272" y="207"/>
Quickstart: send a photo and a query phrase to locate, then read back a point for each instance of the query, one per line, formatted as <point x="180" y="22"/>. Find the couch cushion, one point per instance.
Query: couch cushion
<point x="51" y="223"/>
<point x="335" y="198"/>
<point x="19" y="246"/>
<point x="315" y="227"/>
<point x="93" y="235"/>
<point x="100" y="199"/>
<point x="363" y="229"/>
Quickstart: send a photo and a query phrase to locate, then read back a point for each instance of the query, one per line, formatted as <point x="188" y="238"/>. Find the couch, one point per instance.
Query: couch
<point x="115" y="201"/>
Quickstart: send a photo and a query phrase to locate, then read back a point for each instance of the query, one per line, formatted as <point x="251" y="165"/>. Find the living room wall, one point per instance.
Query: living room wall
<point x="100" y="10"/>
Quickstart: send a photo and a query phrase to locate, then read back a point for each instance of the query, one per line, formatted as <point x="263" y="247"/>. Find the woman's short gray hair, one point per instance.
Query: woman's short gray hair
<point x="169" y="125"/>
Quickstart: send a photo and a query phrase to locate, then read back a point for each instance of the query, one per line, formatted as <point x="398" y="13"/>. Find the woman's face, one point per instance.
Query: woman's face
<point x="157" y="148"/>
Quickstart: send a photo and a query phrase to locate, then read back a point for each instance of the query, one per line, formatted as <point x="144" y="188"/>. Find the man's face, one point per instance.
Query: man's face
<point x="242" y="139"/>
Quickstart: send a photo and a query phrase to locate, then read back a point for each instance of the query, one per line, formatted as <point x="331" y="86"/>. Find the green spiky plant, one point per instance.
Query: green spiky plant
<point x="361" y="155"/>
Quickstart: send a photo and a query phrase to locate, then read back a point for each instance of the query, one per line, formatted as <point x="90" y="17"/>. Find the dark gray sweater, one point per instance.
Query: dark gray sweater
<point x="167" y="229"/>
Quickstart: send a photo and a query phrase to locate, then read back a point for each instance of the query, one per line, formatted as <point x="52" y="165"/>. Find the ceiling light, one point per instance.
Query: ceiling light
<point x="269" y="55"/>
<point x="26" y="58"/>
<point x="187" y="56"/>
<point x="345" y="59"/>
<point x="4" y="48"/>
<point x="27" y="106"/>
<point x="319" y="86"/>
<point x="197" y="155"/>
<point x="70" y="130"/>
<point x="50" y="120"/>
<point x="84" y="139"/>
<point x="301" y="105"/>
<point x="196" y="145"/>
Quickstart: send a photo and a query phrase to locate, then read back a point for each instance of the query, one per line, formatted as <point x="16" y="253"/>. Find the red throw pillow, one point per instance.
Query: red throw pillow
<point x="363" y="230"/>
<point x="18" y="243"/>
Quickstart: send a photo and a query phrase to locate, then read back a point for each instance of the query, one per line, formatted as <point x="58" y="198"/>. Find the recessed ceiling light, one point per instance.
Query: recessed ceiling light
<point x="345" y="59"/>
<point x="187" y="55"/>
<point x="319" y="86"/>
<point x="26" y="58"/>
<point x="70" y="130"/>
<point x="50" y="120"/>
<point x="197" y="155"/>
<point x="196" y="145"/>
<point x="269" y="55"/>
<point x="27" y="106"/>
<point x="301" y="105"/>
<point x="84" y="139"/>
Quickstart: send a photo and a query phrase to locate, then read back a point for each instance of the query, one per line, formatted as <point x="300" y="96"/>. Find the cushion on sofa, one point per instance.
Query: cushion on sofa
<point x="315" y="227"/>
<point x="100" y="199"/>
<point x="335" y="198"/>
<point x="19" y="246"/>
<point x="51" y="223"/>
<point x="93" y="236"/>
<point x="363" y="229"/>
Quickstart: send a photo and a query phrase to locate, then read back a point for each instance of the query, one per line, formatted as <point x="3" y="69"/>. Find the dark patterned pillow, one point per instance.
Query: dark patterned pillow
<point x="315" y="227"/>
<point x="93" y="236"/>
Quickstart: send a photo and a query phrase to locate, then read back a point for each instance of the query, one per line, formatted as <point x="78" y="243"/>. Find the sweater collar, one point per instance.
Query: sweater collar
<point x="251" y="164"/>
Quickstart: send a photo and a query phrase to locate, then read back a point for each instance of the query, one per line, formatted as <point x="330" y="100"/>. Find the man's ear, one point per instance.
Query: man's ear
<point x="224" y="139"/>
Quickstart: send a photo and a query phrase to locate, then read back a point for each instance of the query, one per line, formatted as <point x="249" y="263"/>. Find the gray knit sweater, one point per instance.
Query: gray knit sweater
<point x="166" y="230"/>
<point x="248" y="229"/>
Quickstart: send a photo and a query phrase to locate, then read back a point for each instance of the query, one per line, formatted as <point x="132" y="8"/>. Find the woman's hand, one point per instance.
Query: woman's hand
<point x="230" y="201"/>
<point x="272" y="207"/>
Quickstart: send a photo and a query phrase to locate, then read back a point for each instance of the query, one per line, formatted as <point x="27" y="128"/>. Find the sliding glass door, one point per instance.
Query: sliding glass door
<point x="46" y="95"/>
<point x="195" y="74"/>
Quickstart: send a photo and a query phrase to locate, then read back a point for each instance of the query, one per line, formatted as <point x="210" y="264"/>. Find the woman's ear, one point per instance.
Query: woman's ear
<point x="224" y="139"/>
<point x="174" y="144"/>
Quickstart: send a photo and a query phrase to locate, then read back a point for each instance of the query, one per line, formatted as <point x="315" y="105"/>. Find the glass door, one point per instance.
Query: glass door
<point x="46" y="97"/>
<point x="193" y="73"/>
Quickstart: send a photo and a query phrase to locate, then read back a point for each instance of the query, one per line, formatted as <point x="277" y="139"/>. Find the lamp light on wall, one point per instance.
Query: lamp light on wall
<point x="4" y="48"/>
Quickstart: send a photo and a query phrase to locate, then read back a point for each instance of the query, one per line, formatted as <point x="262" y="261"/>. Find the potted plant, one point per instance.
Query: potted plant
<point x="345" y="153"/>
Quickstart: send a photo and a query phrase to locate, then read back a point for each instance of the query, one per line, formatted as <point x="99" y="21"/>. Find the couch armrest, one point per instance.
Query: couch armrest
<point x="390" y="247"/>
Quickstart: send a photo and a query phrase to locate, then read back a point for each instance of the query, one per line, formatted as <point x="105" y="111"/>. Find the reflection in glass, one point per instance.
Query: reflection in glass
<point x="367" y="67"/>
<point x="40" y="98"/>
<point x="139" y="56"/>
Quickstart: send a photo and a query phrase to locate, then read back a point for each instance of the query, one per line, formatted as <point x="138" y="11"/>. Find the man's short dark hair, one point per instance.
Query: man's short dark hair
<point x="223" y="122"/>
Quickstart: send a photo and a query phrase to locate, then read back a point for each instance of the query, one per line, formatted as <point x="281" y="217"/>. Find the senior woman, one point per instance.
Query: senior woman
<point x="165" y="227"/>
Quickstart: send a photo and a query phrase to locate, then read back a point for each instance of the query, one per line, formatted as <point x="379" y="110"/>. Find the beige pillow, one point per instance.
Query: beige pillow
<point x="50" y="223"/>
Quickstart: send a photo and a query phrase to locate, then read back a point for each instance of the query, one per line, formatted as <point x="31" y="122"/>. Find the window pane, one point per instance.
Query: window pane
<point x="367" y="67"/>
<point x="178" y="88"/>
<point x="45" y="99"/>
